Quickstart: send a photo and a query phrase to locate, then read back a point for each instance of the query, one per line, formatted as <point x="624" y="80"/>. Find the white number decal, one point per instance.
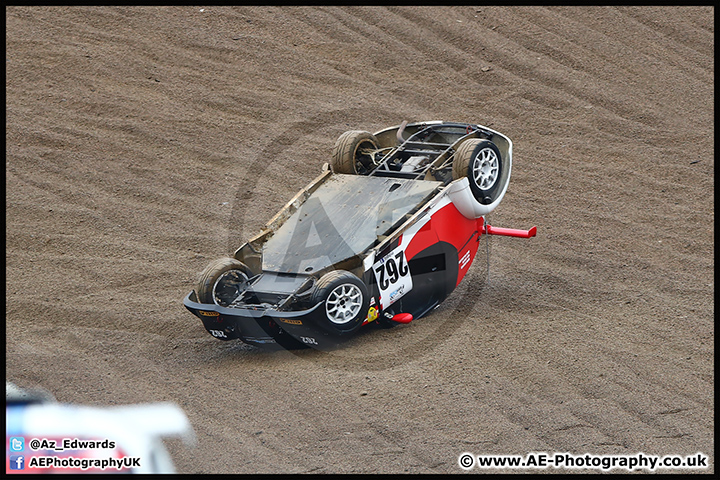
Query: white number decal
<point x="393" y="277"/>
<point x="217" y="333"/>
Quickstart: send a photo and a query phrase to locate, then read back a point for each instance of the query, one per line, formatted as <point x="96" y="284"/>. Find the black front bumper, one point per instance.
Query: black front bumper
<point x="264" y="327"/>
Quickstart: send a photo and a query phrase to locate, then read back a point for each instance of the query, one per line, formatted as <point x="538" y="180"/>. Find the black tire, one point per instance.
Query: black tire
<point x="222" y="281"/>
<point x="346" y="301"/>
<point x="348" y="154"/>
<point x="480" y="161"/>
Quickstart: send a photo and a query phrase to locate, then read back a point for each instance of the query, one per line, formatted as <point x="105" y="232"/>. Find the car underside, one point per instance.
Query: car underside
<point x="384" y="234"/>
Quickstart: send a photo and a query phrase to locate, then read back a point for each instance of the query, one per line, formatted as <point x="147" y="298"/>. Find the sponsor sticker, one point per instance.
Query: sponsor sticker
<point x="291" y="321"/>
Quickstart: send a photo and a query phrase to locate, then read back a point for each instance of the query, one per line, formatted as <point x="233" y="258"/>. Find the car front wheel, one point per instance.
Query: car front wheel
<point x="346" y="301"/>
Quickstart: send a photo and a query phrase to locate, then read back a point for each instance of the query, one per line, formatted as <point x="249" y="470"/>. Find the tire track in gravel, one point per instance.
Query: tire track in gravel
<point x="585" y="420"/>
<point x="501" y="48"/>
<point x="510" y="49"/>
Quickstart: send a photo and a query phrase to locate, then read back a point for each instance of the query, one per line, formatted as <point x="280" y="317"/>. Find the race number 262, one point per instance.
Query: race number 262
<point x="390" y="271"/>
<point x="393" y="277"/>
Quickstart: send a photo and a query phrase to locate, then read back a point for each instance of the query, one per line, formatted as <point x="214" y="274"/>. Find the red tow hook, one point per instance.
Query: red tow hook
<point x="507" y="232"/>
<point x="511" y="232"/>
<point x="402" y="318"/>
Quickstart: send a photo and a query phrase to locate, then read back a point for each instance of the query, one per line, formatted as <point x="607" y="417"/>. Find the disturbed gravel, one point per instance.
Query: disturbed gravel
<point x="144" y="142"/>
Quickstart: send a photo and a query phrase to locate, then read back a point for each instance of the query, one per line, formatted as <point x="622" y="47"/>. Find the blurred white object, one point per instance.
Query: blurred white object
<point x="133" y="431"/>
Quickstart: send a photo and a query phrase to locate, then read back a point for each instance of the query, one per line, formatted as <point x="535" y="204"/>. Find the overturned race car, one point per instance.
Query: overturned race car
<point x="383" y="235"/>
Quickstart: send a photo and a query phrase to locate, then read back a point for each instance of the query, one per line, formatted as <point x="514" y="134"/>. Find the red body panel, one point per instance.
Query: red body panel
<point x="448" y="225"/>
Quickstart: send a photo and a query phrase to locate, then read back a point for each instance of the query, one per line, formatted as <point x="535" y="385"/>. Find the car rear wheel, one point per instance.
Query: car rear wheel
<point x="346" y="301"/>
<point x="480" y="161"/>
<point x="222" y="281"/>
<point x="352" y="153"/>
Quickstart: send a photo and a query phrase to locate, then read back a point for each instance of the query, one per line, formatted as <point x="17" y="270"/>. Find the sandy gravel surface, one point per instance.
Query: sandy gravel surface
<point x="142" y="143"/>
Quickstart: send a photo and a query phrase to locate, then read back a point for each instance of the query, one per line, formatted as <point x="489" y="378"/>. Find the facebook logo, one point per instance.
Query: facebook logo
<point x="17" y="444"/>
<point x="17" y="462"/>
